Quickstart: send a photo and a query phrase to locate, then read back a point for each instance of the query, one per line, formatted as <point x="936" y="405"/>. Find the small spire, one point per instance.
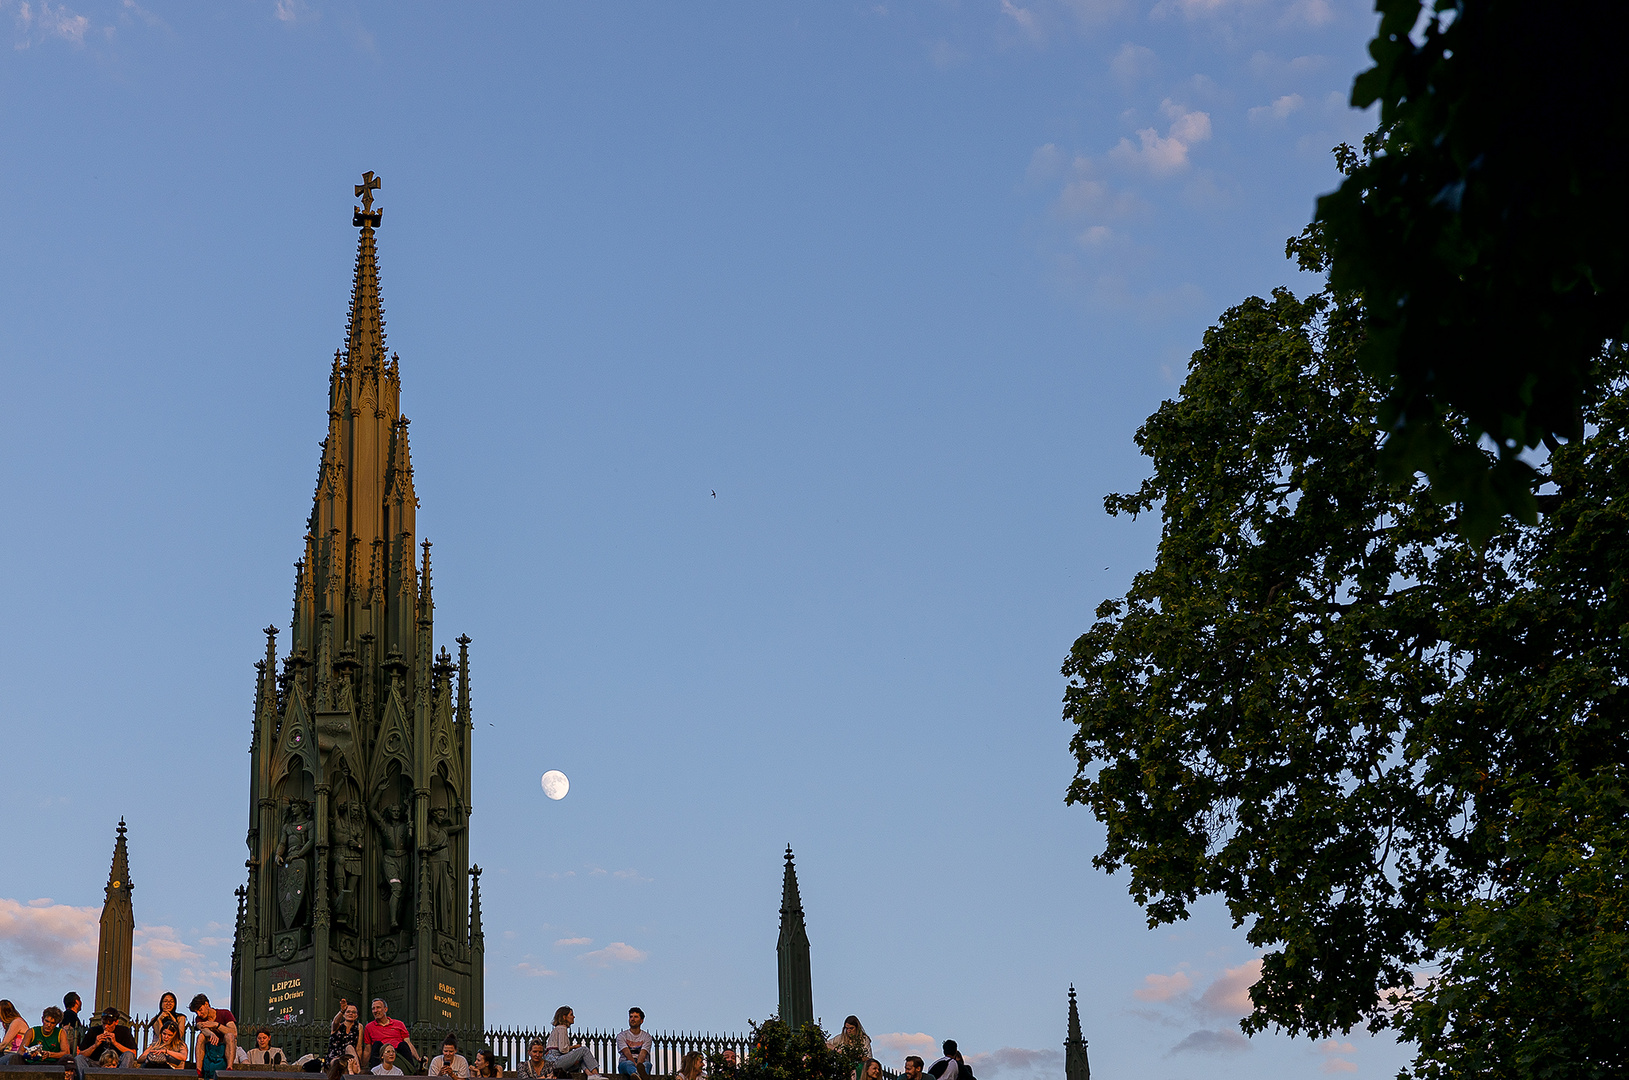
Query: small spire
<point x="365" y="337"/>
<point x="476" y="936"/>
<point x="792" y="954"/>
<point x="118" y="878"/>
<point x="425" y="604"/>
<point x="1075" y="1064"/>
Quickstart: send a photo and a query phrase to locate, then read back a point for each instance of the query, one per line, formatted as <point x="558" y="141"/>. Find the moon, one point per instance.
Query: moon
<point x="555" y="784"/>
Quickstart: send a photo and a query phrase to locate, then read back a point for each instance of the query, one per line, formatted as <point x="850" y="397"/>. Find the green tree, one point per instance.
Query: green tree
<point x="781" y="1053"/>
<point x="1398" y="755"/>
<point x="1489" y="233"/>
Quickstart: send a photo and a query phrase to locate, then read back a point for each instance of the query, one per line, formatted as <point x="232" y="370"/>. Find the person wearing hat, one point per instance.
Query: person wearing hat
<point x="107" y="1039"/>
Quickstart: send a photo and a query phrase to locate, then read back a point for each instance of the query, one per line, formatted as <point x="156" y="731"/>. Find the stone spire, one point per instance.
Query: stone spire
<point x="118" y="933"/>
<point x="355" y="744"/>
<point x="365" y="336"/>
<point x="792" y="951"/>
<point x="1075" y="1065"/>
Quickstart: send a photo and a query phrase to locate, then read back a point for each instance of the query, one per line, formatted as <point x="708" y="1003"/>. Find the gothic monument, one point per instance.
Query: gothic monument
<point x="360" y="884"/>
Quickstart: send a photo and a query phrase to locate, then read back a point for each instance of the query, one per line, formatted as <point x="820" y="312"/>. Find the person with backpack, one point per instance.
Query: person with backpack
<point x="951" y="1066"/>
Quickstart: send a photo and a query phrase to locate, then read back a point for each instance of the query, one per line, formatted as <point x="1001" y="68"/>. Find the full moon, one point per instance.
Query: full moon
<point x="555" y="784"/>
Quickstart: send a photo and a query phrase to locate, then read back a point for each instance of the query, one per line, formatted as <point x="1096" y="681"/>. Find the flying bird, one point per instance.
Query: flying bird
<point x="715" y="494"/>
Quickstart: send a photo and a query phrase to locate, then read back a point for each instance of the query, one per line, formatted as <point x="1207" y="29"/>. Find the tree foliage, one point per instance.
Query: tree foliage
<point x="1489" y="233"/>
<point x="1398" y="755"/>
<point x="781" y="1053"/>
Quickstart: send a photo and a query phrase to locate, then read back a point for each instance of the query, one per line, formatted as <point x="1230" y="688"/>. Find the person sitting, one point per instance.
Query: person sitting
<point x="535" y="1067"/>
<point x="381" y="1031"/>
<point x="50" y="1040"/>
<point x="387" y="1062"/>
<point x="633" y="1045"/>
<point x="689" y="1067"/>
<point x="168" y="1051"/>
<point x="451" y="1062"/>
<point x="265" y="1055"/>
<point x="109" y="1042"/>
<point x="855" y="1041"/>
<point x="562" y="1054"/>
<point x="485" y="1066"/>
<point x="166" y="1012"/>
<point x="70" y="1011"/>
<point x="343" y="1039"/>
<point x="730" y="1061"/>
<point x="15" y="1040"/>
<point x="873" y="1070"/>
<point x="948" y="1066"/>
<point x="913" y="1068"/>
<point x="217" y="1043"/>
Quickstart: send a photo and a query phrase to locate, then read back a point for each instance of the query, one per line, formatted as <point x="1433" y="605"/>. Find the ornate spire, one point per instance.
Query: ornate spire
<point x="118" y="876"/>
<point x="113" y="950"/>
<point x="1075" y="1065"/>
<point x="792" y="953"/>
<point x="365" y="336"/>
<point x="477" y="937"/>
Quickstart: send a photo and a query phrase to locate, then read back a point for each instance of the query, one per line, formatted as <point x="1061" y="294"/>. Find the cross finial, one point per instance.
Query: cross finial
<point x="366" y="214"/>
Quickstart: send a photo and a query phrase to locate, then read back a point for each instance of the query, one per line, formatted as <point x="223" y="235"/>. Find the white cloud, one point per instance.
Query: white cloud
<point x="1165" y="155"/>
<point x="1095" y="11"/>
<point x="1016" y="1059"/>
<point x="1229" y="995"/>
<point x="573" y="941"/>
<point x="618" y="952"/>
<point x="1310" y="13"/>
<point x="1278" y="110"/>
<point x="1335" y="1053"/>
<point x="1163" y="987"/>
<point x="1024" y="17"/>
<point x="1211" y="1042"/>
<point x="533" y="971"/>
<point x="44" y="944"/>
<point x="902" y="1044"/>
<point x="1045" y="164"/>
<point x="290" y="12"/>
<point x="1132" y="63"/>
<point x="1191" y="9"/>
<point x="39" y="21"/>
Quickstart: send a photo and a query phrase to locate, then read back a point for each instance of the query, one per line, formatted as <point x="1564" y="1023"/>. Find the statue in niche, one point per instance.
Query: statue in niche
<point x="443" y="883"/>
<point x="397" y="834"/>
<point x="345" y="848"/>
<point x="293" y="847"/>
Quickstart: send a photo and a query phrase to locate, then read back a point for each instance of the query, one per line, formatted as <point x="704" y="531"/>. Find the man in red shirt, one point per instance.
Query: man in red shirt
<point x="382" y="1031"/>
<point x="216" y="1047"/>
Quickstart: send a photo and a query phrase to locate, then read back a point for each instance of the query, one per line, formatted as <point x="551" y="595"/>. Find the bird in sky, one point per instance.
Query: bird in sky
<point x="715" y="494"/>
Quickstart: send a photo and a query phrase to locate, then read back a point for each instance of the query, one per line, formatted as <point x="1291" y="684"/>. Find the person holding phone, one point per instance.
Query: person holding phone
<point x="109" y="1038"/>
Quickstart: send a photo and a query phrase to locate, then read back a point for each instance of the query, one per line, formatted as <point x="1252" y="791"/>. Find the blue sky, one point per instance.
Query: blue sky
<point x="898" y="281"/>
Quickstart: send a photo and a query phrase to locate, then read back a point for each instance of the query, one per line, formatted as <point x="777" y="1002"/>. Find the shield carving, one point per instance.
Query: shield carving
<point x="291" y="891"/>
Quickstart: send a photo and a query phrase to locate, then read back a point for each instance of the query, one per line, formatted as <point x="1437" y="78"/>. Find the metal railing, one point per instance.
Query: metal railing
<point x="507" y="1045"/>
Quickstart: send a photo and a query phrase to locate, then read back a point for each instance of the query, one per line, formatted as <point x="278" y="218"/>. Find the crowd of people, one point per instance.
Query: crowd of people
<point x="952" y="1066"/>
<point x="380" y="1047"/>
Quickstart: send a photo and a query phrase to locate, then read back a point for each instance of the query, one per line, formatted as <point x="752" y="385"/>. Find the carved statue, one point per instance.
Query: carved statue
<point x="443" y="882"/>
<point x="345" y="848"/>
<point x="295" y="844"/>
<point x="397" y="834"/>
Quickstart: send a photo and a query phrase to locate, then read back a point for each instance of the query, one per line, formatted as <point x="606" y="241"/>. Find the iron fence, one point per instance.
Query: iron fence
<point x="507" y="1045"/>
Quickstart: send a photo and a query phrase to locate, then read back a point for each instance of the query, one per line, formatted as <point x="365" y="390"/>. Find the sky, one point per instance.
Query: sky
<point x="768" y="364"/>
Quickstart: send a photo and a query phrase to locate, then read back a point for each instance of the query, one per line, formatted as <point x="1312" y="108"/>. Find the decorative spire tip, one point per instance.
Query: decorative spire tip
<point x="365" y="216"/>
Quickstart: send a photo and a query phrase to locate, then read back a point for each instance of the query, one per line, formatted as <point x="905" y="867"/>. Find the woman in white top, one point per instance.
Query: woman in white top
<point x="561" y="1053"/>
<point x="853" y="1039"/>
